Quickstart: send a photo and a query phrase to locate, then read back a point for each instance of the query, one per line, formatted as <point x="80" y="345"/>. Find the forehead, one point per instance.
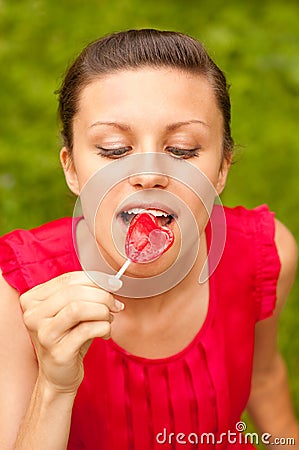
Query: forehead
<point x="147" y="91"/>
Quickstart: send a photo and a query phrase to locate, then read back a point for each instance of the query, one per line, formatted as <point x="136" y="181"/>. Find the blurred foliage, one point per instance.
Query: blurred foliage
<point x="255" y="43"/>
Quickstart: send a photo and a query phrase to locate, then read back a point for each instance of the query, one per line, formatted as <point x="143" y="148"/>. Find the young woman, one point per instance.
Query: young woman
<point x="85" y="366"/>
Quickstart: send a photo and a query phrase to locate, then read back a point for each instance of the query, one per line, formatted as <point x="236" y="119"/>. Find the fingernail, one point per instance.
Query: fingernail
<point x="119" y="305"/>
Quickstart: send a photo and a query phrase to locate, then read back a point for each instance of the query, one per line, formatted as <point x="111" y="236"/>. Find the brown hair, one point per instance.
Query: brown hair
<point x="134" y="49"/>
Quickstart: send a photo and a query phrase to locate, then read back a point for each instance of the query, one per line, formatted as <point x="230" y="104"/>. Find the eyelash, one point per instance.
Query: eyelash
<point x="184" y="153"/>
<point x="114" y="153"/>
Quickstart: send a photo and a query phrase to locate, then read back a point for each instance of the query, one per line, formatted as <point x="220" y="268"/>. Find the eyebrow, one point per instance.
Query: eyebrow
<point x="171" y="127"/>
<point x="119" y="125"/>
<point x="174" y="126"/>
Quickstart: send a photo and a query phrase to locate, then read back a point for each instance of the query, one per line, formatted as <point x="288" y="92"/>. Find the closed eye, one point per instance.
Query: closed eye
<point x="183" y="152"/>
<point x="113" y="152"/>
<point x="177" y="152"/>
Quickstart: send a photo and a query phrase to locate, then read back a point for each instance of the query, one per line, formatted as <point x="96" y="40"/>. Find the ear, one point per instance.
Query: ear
<point x="69" y="170"/>
<point x="222" y="176"/>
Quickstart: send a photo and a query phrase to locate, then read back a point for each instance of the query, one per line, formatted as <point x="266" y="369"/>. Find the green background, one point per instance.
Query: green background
<point x="256" y="43"/>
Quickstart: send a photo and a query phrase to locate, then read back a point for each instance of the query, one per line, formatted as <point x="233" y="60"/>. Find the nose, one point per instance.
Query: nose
<point x="149" y="180"/>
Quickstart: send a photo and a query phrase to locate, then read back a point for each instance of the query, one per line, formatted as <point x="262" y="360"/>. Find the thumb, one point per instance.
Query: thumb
<point x="105" y="281"/>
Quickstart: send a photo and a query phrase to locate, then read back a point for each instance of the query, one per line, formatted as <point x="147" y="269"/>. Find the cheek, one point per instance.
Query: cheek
<point x="200" y="201"/>
<point x="84" y="170"/>
<point x="197" y="206"/>
<point x="106" y="213"/>
<point x="211" y="169"/>
<point x="86" y="163"/>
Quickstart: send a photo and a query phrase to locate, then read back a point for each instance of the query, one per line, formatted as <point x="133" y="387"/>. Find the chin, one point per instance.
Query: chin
<point x="149" y="270"/>
<point x="139" y="270"/>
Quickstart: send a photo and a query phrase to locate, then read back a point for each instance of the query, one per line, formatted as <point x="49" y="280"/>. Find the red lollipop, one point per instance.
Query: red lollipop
<point x="146" y="240"/>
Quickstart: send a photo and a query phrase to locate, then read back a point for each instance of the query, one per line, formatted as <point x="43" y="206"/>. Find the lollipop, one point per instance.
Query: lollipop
<point x="146" y="240"/>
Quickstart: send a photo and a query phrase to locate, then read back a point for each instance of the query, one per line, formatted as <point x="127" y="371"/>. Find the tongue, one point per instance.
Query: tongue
<point x="146" y="240"/>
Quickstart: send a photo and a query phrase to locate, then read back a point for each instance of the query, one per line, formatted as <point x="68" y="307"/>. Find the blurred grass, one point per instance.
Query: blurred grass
<point x="256" y="44"/>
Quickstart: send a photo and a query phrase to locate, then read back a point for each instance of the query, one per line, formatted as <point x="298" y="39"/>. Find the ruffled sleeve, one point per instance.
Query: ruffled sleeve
<point x="32" y="257"/>
<point x="267" y="263"/>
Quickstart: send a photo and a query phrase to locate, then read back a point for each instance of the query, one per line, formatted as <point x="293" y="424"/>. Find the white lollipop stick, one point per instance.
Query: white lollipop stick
<point x="114" y="280"/>
<point x="122" y="269"/>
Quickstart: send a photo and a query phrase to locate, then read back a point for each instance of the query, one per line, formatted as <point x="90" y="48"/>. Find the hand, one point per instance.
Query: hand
<point x="62" y="316"/>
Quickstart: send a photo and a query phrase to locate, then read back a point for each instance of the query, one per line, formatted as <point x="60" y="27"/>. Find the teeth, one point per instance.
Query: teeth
<point x="155" y="212"/>
<point x="134" y="211"/>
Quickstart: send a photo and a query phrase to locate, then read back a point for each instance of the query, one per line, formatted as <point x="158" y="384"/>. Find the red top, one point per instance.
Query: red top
<point x="126" y="402"/>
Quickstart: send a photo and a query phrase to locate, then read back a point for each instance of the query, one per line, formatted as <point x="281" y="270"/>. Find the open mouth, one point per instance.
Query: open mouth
<point x="164" y="218"/>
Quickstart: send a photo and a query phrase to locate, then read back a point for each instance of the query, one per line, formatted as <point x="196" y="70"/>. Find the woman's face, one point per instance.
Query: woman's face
<point x="139" y="111"/>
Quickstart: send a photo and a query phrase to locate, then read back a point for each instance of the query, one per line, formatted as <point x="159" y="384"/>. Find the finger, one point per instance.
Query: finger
<point x="50" y="305"/>
<point x="44" y="290"/>
<point x="73" y="295"/>
<point x="55" y="284"/>
<point x="70" y="279"/>
<point x="69" y="317"/>
<point x="77" y="338"/>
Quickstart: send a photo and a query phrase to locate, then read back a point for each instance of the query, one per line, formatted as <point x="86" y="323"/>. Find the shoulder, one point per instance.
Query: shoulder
<point x="275" y="244"/>
<point x="288" y="254"/>
<point x="250" y="221"/>
<point x="270" y="234"/>
<point x="251" y="239"/>
<point x="40" y="232"/>
<point x="29" y="242"/>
